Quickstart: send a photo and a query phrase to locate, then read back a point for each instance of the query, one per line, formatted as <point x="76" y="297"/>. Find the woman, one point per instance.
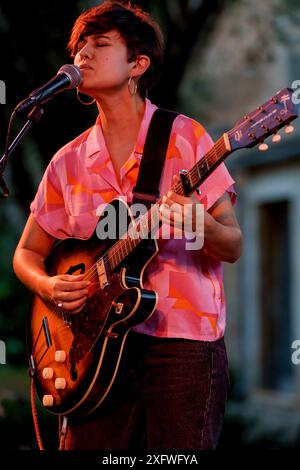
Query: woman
<point x="172" y="383"/>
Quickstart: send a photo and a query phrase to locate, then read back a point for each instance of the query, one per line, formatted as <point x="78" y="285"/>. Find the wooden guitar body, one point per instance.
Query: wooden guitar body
<point x="74" y="358"/>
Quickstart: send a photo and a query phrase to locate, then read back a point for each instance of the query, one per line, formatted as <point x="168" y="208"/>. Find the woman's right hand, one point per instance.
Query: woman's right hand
<point x="66" y="291"/>
<point x="33" y="248"/>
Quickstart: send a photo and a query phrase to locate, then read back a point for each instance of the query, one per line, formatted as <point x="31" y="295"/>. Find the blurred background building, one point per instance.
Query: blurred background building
<point x="223" y="59"/>
<point x="254" y="52"/>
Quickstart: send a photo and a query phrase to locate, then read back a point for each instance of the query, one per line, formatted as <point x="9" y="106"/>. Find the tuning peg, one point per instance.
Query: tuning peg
<point x="289" y="129"/>
<point x="263" y="147"/>
<point x="276" y="138"/>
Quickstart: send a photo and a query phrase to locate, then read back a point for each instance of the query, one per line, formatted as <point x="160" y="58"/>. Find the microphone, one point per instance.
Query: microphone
<point x="68" y="77"/>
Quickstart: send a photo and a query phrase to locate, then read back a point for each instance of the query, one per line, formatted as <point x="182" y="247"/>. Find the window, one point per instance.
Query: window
<point x="275" y="305"/>
<point x="269" y="293"/>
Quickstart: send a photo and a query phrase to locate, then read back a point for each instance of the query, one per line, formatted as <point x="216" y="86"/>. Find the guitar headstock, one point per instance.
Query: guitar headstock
<point x="267" y="119"/>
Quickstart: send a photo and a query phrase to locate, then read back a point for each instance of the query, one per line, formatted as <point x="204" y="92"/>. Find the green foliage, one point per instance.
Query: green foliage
<point x="290" y="6"/>
<point x="35" y="38"/>
<point x="286" y="14"/>
<point x="16" y="425"/>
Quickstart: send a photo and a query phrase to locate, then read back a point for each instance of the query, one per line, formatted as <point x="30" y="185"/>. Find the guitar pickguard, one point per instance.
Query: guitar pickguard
<point x="90" y="322"/>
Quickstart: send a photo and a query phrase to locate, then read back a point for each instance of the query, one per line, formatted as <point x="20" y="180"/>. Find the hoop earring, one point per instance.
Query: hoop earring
<point x="133" y="91"/>
<point x="85" y="103"/>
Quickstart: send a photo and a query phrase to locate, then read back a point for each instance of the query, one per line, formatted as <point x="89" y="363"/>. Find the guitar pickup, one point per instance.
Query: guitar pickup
<point x="102" y="276"/>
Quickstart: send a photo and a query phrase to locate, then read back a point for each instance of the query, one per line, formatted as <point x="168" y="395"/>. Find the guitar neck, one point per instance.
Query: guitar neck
<point x="204" y="167"/>
<point x="147" y="225"/>
<point x="252" y="129"/>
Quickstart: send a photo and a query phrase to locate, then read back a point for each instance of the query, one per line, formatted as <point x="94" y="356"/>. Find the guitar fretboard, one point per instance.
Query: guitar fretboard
<point x="147" y="225"/>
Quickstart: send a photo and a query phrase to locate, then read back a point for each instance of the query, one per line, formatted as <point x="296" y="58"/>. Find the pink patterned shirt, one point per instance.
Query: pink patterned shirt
<point x="81" y="176"/>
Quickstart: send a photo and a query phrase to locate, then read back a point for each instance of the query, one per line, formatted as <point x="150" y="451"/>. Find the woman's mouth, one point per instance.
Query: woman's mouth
<point x="85" y="67"/>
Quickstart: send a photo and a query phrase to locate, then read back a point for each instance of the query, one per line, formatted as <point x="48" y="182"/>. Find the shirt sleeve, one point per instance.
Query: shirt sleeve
<point x="48" y="206"/>
<point x="218" y="182"/>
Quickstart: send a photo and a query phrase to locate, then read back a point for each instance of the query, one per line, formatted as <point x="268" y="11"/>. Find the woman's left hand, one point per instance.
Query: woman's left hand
<point x="180" y="211"/>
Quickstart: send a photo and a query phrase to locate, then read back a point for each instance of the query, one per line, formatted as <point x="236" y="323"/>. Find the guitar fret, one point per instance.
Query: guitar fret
<point x="130" y="241"/>
<point x="119" y="252"/>
<point x="203" y="164"/>
<point x="199" y="172"/>
<point x="116" y="257"/>
<point x="215" y="156"/>
<point x="111" y="264"/>
<point x="123" y="250"/>
<point x="149" y="222"/>
<point x="111" y="261"/>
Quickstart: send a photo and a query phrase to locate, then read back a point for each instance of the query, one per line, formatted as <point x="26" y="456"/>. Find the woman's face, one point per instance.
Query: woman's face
<point x="103" y="62"/>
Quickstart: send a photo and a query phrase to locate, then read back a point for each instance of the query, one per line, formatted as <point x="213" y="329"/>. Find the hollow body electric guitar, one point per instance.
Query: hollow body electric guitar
<point x="74" y="358"/>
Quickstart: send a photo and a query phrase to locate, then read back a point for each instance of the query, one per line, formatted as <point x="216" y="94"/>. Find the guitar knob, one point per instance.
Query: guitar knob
<point x="276" y="138"/>
<point x="47" y="373"/>
<point x="60" y="383"/>
<point x="263" y="147"/>
<point x="60" y="356"/>
<point x="48" y="400"/>
<point x="289" y="129"/>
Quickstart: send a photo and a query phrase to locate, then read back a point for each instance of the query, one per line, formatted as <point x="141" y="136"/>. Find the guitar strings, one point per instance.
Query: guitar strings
<point x="178" y="188"/>
<point x="212" y="155"/>
<point x="115" y="249"/>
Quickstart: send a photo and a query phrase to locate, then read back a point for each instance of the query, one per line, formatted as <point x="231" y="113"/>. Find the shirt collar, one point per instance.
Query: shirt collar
<point x="95" y="143"/>
<point x="142" y="134"/>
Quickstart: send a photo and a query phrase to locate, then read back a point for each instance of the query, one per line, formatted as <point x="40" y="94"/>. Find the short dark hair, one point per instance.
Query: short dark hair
<point x="140" y="32"/>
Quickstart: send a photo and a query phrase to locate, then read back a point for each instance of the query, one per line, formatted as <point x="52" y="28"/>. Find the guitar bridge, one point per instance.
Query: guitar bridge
<point x="66" y="319"/>
<point x="102" y="276"/>
<point x="118" y="307"/>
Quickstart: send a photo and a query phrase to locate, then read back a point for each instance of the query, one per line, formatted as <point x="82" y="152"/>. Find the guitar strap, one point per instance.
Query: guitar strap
<point x="146" y="189"/>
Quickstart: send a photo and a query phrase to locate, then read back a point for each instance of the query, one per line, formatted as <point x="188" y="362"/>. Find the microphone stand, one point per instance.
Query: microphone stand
<point x="33" y="118"/>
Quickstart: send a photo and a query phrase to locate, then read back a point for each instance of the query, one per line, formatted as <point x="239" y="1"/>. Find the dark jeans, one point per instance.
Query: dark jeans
<point x="169" y="394"/>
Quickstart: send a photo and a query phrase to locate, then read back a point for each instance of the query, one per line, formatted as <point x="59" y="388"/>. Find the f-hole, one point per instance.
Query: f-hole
<point x="79" y="267"/>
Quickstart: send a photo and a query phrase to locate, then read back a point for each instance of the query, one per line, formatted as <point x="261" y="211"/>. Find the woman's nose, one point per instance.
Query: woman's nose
<point x="86" y="51"/>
